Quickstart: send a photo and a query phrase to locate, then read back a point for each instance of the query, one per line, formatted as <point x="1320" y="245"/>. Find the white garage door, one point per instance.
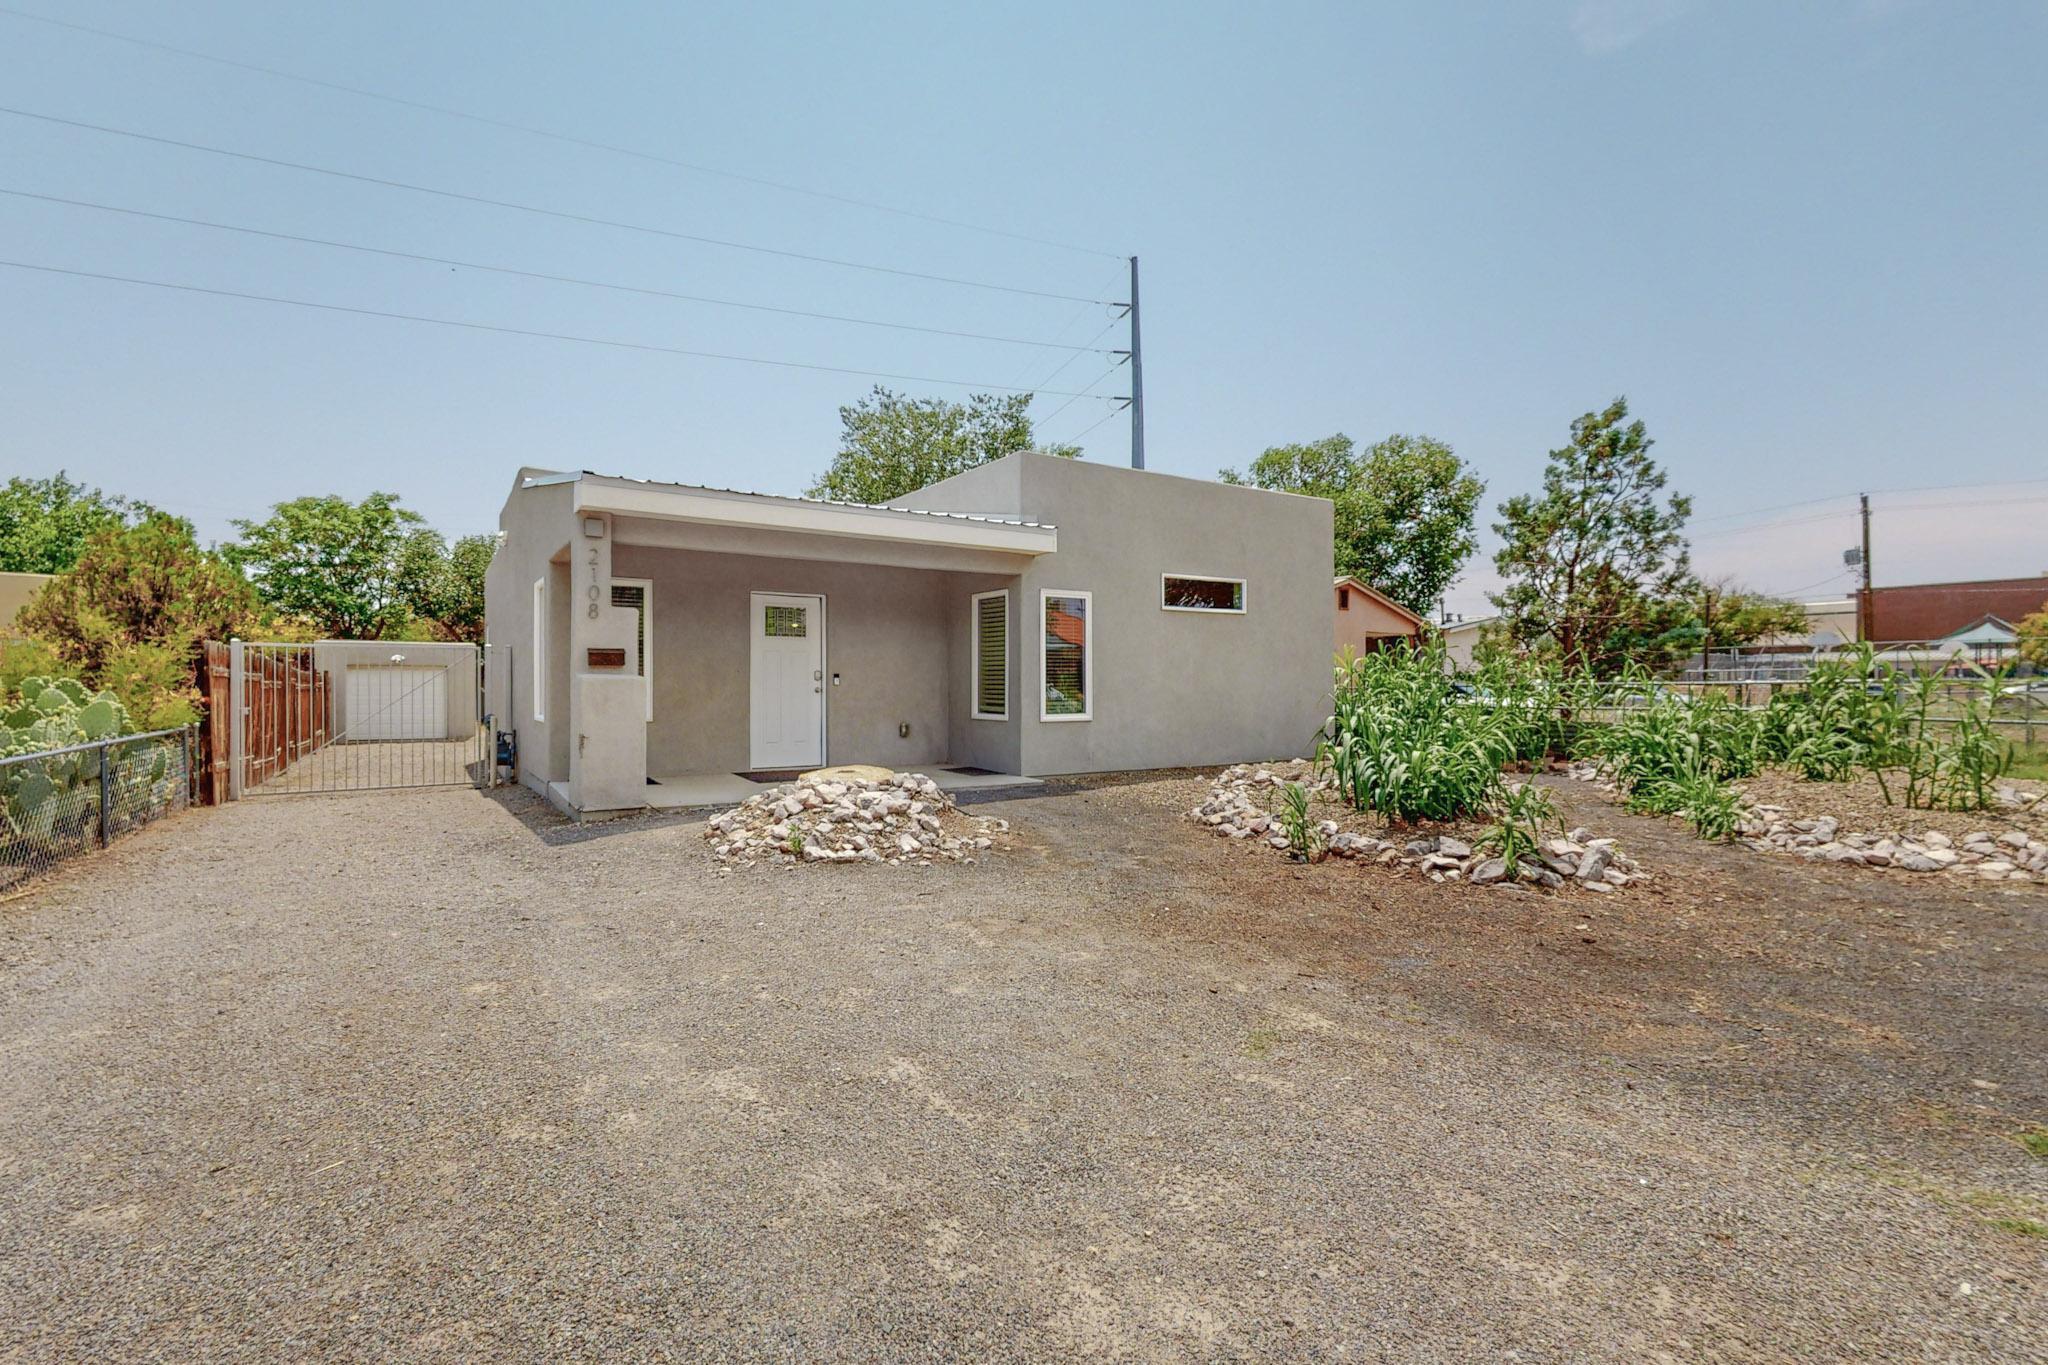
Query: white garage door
<point x="396" y="701"/>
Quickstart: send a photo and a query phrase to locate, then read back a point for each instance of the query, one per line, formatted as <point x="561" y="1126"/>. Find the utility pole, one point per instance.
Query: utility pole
<point x="1863" y="613"/>
<point x="1137" y="379"/>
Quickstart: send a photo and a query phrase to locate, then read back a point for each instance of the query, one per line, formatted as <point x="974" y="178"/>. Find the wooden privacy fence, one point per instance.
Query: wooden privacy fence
<point x="288" y="713"/>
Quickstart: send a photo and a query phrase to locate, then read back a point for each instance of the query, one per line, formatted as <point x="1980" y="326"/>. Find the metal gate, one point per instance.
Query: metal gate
<point x="357" y="715"/>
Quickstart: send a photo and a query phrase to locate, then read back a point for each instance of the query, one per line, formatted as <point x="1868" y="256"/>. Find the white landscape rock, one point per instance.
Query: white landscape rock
<point x="1236" y="809"/>
<point x="903" y="818"/>
<point x="2011" y="856"/>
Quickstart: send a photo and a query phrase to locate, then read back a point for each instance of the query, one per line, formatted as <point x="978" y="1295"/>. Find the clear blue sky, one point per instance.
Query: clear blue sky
<point x="1805" y="240"/>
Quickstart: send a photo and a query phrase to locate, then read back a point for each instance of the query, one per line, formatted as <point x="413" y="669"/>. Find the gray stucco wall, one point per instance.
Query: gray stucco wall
<point x="887" y="638"/>
<point x="536" y="524"/>
<point x="1171" y="688"/>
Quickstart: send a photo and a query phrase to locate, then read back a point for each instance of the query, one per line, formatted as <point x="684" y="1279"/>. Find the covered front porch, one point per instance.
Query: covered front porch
<point x="772" y="636"/>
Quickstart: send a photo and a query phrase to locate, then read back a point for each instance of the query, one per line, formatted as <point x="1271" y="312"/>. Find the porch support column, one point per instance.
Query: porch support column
<point x="607" y="697"/>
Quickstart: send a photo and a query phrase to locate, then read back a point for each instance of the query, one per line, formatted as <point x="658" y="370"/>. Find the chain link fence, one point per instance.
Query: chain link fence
<point x="58" y="803"/>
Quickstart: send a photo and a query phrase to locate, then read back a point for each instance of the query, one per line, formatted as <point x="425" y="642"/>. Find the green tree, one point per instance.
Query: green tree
<point x="2032" y="631"/>
<point x="1728" y="617"/>
<point x="45" y="523"/>
<point x="130" y="615"/>
<point x="1596" y="562"/>
<point x="442" y="584"/>
<point x="890" y="445"/>
<point x="337" y="564"/>
<point x="1404" y="508"/>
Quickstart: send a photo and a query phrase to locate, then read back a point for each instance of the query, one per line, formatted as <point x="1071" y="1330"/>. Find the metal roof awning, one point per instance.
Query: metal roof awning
<point x="767" y="511"/>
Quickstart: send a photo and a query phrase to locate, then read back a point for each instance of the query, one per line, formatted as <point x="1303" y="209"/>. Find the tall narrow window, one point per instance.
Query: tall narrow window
<point x="1066" y="655"/>
<point x="991" y="624"/>
<point x="540" y="649"/>
<point x="637" y="596"/>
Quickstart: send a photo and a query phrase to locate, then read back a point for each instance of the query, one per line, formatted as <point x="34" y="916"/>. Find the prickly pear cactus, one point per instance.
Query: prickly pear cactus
<point x="39" y="797"/>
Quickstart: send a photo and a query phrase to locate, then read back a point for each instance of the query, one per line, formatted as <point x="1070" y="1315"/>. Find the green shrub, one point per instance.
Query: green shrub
<point x="1399" y="741"/>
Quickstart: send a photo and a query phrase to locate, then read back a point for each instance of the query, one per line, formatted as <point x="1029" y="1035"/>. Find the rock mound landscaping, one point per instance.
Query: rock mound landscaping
<point x="822" y="818"/>
<point x="2012" y="855"/>
<point x="1238" y="808"/>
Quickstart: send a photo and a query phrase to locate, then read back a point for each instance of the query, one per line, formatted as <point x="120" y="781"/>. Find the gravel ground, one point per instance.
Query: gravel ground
<point x="432" y="1075"/>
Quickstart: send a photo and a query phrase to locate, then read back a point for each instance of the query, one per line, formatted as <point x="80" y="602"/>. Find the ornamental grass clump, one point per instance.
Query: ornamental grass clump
<point x="1401" y="742"/>
<point x="1850" y="716"/>
<point x="1523" y="814"/>
<point x="1676" y="756"/>
<point x="1304" y="835"/>
<point x="1951" y="752"/>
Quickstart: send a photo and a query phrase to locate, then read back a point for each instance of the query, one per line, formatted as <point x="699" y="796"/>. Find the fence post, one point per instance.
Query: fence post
<point x="106" y="792"/>
<point x="238" y="740"/>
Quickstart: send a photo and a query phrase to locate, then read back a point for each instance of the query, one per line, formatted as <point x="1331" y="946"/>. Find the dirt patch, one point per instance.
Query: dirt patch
<point x="443" y="1075"/>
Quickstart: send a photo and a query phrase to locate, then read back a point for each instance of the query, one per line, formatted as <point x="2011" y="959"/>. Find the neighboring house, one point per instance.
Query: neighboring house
<point x="1030" y="616"/>
<point x="15" y="591"/>
<point x="1461" y="638"/>
<point x="1368" y="619"/>
<point x="1935" y="611"/>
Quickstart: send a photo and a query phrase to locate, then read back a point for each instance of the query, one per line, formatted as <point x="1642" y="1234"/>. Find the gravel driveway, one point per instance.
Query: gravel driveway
<point x="433" y="1075"/>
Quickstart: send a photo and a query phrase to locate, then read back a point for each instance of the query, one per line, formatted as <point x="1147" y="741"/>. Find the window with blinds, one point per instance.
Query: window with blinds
<point x="991" y="624"/>
<point x="634" y="595"/>
<point x="1067" y="674"/>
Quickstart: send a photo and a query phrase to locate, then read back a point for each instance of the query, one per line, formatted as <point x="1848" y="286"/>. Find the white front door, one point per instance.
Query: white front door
<point x="786" y="715"/>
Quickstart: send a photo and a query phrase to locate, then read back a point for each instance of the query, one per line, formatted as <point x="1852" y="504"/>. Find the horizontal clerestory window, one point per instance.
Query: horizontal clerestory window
<point x="1195" y="592"/>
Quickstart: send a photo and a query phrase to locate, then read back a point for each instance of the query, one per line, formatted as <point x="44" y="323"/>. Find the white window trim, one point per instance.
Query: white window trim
<point x="646" y="586"/>
<point x="974" y="654"/>
<point x="540" y="649"/>
<point x="1244" y="594"/>
<point x="1087" y="653"/>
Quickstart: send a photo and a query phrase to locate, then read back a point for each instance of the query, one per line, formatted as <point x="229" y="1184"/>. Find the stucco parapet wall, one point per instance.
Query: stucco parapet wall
<point x="727" y="507"/>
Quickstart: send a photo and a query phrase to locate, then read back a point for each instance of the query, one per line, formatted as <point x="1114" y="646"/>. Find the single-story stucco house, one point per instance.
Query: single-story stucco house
<point x="1368" y="619"/>
<point x="666" y="644"/>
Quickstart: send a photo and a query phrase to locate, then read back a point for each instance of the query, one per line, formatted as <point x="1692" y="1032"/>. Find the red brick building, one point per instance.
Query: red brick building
<point x="1930" y="611"/>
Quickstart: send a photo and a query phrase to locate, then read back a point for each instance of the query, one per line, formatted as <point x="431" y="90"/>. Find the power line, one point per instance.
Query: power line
<point x="561" y="214"/>
<point x="1838" y="497"/>
<point x="567" y="138"/>
<point x="1085" y="349"/>
<point x="1774" y="525"/>
<point x="517" y="331"/>
<point x="1084" y="393"/>
<point x="1076" y="437"/>
<point x="1836" y="576"/>
<point x="539" y="275"/>
<point x="1082" y="312"/>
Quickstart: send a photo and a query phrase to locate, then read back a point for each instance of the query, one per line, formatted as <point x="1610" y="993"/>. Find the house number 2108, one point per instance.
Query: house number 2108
<point x="593" y="583"/>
